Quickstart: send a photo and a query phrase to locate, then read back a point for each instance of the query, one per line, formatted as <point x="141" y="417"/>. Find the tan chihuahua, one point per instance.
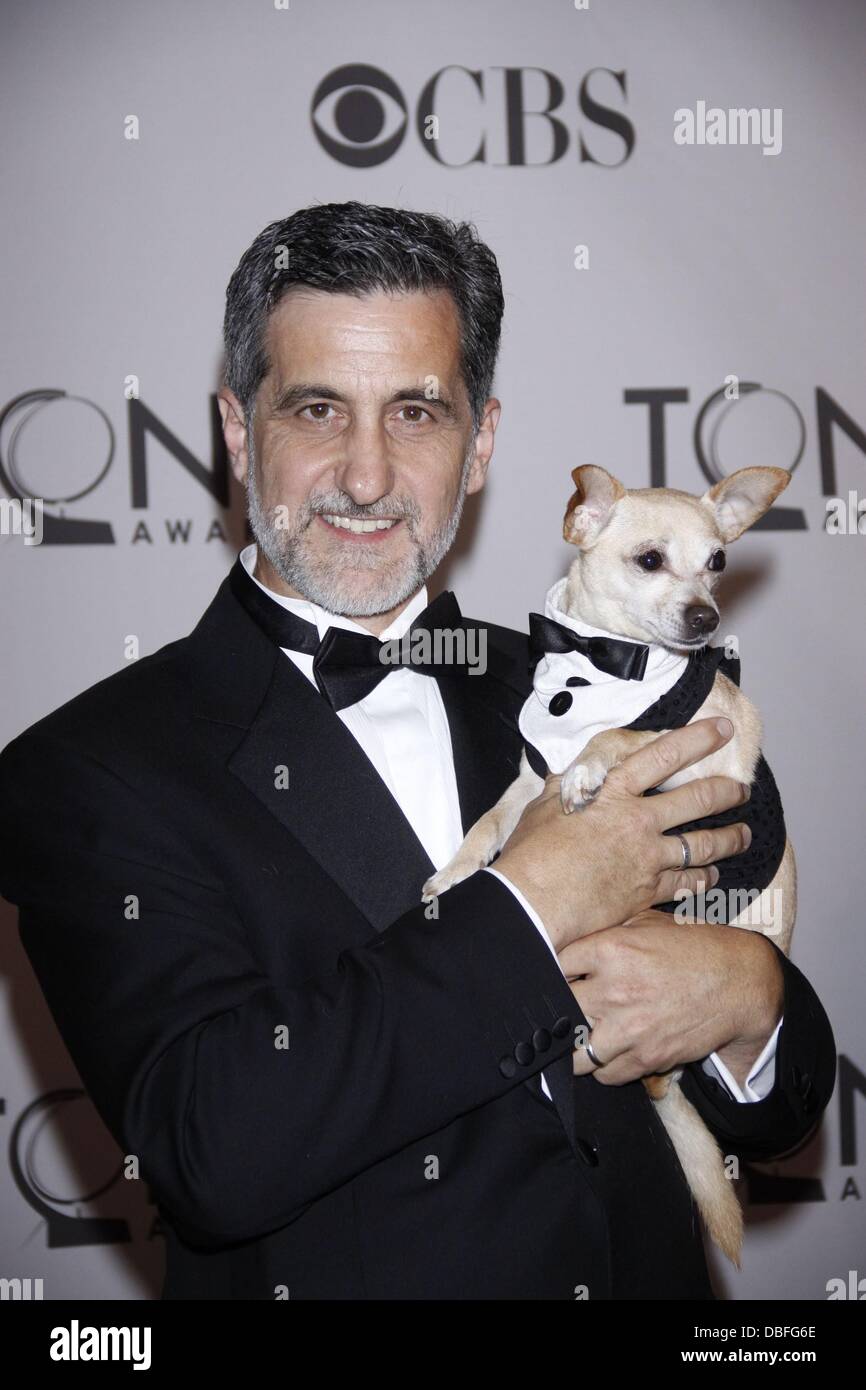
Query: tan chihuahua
<point x="624" y="656"/>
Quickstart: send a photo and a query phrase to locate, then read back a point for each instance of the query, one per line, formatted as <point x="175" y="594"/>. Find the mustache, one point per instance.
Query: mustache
<point x="377" y="511"/>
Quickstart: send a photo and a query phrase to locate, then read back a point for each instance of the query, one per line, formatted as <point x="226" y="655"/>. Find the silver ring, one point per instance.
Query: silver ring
<point x="687" y="854"/>
<point x="592" y="1054"/>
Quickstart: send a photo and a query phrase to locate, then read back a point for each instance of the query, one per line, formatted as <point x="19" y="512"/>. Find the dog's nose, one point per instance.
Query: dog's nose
<point x="700" y="618"/>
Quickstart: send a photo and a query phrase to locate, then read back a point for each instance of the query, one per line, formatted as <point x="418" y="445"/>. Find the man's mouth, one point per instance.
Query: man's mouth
<point x="372" y="528"/>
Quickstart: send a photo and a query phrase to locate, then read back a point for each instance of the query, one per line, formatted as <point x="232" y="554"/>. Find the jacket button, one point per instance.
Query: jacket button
<point x="507" y="1066"/>
<point x="588" y="1152"/>
<point x="795" y="1077"/>
<point x="541" y="1040"/>
<point x="809" y="1098"/>
<point x="525" y="1053"/>
<point x="561" y="702"/>
<point x="561" y="1027"/>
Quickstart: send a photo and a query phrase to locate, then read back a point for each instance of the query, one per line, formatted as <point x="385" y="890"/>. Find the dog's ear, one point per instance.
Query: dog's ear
<point x="591" y="505"/>
<point x="737" y="502"/>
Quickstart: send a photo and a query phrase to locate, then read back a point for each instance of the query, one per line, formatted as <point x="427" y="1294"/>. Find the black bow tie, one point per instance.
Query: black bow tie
<point x="624" y="659"/>
<point x="348" y="665"/>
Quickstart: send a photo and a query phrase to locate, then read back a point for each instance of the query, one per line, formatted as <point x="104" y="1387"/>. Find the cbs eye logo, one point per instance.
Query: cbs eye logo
<point x="359" y="116"/>
<point x="360" y="103"/>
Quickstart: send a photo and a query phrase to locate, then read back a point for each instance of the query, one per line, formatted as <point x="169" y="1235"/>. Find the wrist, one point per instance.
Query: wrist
<point x="538" y="897"/>
<point x="766" y="998"/>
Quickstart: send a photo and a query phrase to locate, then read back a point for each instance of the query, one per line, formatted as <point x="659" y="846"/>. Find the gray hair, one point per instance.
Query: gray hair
<point x="359" y="248"/>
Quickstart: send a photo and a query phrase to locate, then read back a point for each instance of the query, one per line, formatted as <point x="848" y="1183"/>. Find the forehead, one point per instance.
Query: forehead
<point x="312" y="331"/>
<point x="664" y="516"/>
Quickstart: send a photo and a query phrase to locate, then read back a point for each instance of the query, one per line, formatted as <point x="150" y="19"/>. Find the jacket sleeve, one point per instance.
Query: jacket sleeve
<point x="805" y="1077"/>
<point x="247" y="1097"/>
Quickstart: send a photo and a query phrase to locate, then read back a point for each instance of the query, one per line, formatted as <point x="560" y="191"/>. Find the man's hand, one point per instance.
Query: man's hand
<point x="658" y="994"/>
<point x="610" y="860"/>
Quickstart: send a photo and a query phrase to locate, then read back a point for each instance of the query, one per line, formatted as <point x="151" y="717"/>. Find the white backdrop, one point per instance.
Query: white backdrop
<point x="705" y="261"/>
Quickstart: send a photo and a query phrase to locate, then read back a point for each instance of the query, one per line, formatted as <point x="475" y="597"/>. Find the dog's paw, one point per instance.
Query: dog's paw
<point x="453" y="873"/>
<point x="581" y="783"/>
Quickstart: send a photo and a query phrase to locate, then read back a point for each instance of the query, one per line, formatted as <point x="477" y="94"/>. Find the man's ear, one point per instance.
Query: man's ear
<point x="234" y="432"/>
<point x="591" y="506"/>
<point x="737" y="502"/>
<point x="483" y="446"/>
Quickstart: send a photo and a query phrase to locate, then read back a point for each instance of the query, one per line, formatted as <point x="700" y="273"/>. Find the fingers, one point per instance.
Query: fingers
<point x="674" y="882"/>
<point x="706" y="796"/>
<point x="589" y="1031"/>
<point x="607" y="1051"/>
<point x="670" y="753"/>
<point x="705" y="846"/>
<point x="583" y="1065"/>
<point x="618" y="1069"/>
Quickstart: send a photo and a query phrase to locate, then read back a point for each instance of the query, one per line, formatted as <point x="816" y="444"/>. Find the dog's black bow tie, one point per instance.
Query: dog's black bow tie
<point x="348" y="665"/>
<point x="624" y="659"/>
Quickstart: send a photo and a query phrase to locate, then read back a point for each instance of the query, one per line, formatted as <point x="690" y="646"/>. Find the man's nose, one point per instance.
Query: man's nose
<point x="367" y="473"/>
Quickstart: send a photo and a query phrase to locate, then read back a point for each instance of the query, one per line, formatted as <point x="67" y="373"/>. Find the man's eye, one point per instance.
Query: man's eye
<point x="318" y="405"/>
<point x="650" y="559"/>
<point x="421" y="412"/>
<point x="717" y="560"/>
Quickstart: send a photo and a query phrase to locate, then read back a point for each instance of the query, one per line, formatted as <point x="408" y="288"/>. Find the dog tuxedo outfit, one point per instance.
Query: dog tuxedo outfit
<point x="587" y="680"/>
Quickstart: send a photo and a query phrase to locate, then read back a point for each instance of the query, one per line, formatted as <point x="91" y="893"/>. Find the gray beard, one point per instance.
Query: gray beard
<point x="331" y="586"/>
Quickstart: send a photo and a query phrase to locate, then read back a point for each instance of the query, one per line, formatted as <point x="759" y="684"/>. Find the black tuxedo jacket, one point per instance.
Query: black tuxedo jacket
<point x="187" y="915"/>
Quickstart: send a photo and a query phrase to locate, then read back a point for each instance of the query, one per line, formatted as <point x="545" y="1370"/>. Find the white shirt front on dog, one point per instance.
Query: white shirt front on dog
<point x="402" y="726"/>
<point x="606" y="702"/>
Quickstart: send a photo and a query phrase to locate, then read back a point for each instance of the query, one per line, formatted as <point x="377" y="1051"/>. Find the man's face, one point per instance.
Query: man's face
<point x="363" y="417"/>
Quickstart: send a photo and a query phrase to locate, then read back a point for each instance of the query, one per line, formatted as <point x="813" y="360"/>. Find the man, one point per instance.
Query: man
<point x="334" y="1091"/>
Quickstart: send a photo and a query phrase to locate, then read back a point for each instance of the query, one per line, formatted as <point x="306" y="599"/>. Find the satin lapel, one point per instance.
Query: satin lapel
<point x="335" y="802"/>
<point x="485" y="741"/>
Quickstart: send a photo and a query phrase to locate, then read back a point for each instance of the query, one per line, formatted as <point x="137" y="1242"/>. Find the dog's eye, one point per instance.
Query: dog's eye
<point x="717" y="560"/>
<point x="650" y="560"/>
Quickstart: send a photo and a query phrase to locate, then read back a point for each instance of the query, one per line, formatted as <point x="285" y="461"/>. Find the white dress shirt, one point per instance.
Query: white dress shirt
<point x="402" y="727"/>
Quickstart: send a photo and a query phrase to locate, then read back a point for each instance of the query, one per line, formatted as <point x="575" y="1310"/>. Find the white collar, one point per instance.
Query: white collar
<point x="313" y="613"/>
<point x="605" y="702"/>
